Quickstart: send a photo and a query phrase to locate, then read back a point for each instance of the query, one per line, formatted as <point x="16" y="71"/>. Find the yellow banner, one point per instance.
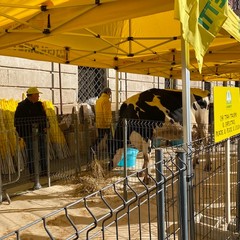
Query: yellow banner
<point x="201" y="21"/>
<point x="226" y="112"/>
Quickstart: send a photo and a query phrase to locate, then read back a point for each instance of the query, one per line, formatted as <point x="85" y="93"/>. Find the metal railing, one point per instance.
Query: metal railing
<point x="132" y="210"/>
<point x="212" y="196"/>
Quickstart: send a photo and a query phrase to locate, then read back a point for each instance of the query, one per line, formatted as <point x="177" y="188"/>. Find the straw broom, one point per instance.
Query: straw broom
<point x="57" y="139"/>
<point x="8" y="138"/>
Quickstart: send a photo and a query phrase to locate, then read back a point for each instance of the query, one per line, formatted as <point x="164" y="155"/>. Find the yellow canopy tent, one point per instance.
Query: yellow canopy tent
<point x="135" y="36"/>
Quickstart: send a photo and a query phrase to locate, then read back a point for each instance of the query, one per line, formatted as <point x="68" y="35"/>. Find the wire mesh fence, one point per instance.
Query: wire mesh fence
<point x="215" y="191"/>
<point x="125" y="209"/>
<point x="213" y="202"/>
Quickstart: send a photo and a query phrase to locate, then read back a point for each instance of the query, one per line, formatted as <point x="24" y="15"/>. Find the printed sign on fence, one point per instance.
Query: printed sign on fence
<point x="226" y="112"/>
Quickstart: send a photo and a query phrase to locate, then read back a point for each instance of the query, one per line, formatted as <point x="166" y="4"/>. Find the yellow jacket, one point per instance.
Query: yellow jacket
<point x="103" y="111"/>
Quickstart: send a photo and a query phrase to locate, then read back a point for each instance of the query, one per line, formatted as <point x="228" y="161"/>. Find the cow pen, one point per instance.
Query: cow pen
<point x="128" y="208"/>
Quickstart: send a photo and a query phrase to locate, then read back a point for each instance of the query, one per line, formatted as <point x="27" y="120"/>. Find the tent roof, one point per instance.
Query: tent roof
<point x="135" y="36"/>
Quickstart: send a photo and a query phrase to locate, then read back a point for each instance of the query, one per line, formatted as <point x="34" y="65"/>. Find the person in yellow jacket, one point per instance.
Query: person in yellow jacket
<point x="103" y="115"/>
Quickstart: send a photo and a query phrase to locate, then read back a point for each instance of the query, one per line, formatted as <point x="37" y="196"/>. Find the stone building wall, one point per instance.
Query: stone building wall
<point x="17" y="75"/>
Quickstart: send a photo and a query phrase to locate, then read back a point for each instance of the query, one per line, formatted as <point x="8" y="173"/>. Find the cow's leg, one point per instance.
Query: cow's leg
<point x="196" y="158"/>
<point x="205" y="142"/>
<point x="146" y="156"/>
<point x="145" y="166"/>
<point x="145" y="163"/>
<point x="117" y="157"/>
<point x="195" y="136"/>
<point x="200" y="140"/>
<point x="208" y="165"/>
<point x="146" y="178"/>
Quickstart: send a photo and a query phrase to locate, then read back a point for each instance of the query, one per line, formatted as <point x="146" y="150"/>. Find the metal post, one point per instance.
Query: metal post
<point x="76" y="140"/>
<point x="238" y="190"/>
<point x="1" y="186"/>
<point x="160" y="194"/>
<point x="227" y="182"/>
<point x="183" y="213"/>
<point x="125" y="156"/>
<point x="47" y="142"/>
<point x="60" y="88"/>
<point x="117" y="95"/>
<point x="87" y="136"/>
<point x="211" y="120"/>
<point x="37" y="184"/>
<point x="187" y="133"/>
<point x="126" y="86"/>
<point x="52" y="78"/>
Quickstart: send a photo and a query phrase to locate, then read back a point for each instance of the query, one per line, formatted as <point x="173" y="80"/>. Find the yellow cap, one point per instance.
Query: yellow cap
<point x="33" y="90"/>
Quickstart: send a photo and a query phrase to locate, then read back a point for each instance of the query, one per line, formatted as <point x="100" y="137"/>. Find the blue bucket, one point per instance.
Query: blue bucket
<point x="131" y="158"/>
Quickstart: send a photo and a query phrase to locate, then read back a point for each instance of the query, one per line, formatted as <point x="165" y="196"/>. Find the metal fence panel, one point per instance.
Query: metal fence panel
<point x="131" y="211"/>
<point x="117" y="216"/>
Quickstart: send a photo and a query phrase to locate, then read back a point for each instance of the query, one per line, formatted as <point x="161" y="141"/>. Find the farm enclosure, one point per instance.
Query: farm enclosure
<point x="106" y="214"/>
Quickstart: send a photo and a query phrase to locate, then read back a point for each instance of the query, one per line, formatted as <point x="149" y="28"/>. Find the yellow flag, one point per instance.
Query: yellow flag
<point x="201" y="21"/>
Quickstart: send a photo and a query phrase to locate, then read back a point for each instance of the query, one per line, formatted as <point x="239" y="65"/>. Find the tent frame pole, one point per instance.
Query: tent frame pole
<point x="187" y="137"/>
<point x="117" y="95"/>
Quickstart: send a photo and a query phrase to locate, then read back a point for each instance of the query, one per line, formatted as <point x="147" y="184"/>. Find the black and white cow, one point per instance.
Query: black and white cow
<point x="164" y="106"/>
